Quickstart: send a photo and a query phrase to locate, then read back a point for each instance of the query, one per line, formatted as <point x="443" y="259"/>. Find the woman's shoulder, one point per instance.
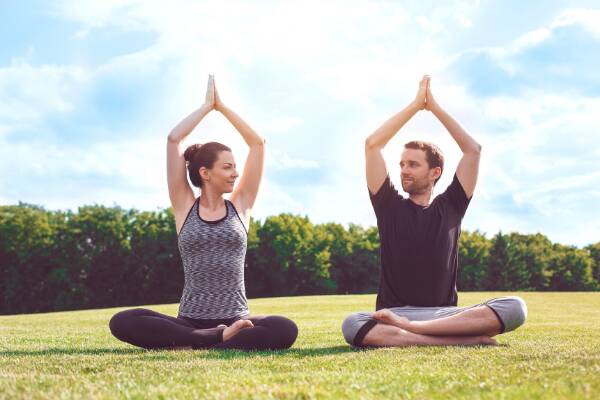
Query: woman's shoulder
<point x="236" y="213"/>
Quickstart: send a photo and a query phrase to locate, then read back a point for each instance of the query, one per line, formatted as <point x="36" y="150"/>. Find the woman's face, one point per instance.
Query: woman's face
<point x="222" y="176"/>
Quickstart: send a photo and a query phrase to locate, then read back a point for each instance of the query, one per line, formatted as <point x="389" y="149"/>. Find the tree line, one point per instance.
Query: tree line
<point x="108" y="256"/>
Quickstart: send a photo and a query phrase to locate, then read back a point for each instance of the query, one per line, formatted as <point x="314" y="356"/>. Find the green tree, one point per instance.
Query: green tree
<point x="594" y="252"/>
<point x="473" y="258"/>
<point x="528" y="256"/>
<point x="100" y="241"/>
<point x="497" y="274"/>
<point x="292" y="258"/>
<point x="571" y="269"/>
<point x="26" y="239"/>
<point x="106" y="256"/>
<point x="354" y="258"/>
<point x="154" y="267"/>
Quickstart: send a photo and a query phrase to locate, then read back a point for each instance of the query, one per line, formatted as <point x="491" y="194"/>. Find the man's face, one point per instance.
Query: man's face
<point x="414" y="172"/>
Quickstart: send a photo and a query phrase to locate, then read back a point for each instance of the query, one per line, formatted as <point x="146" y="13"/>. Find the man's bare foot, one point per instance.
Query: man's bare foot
<point x="488" y="341"/>
<point x="237" y="326"/>
<point x="385" y="316"/>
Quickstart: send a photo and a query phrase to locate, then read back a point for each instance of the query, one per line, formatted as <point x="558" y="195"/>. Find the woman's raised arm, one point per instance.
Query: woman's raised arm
<point x="180" y="192"/>
<point x="245" y="193"/>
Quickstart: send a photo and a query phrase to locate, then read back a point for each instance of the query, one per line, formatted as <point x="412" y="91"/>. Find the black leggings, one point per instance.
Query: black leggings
<point x="152" y="330"/>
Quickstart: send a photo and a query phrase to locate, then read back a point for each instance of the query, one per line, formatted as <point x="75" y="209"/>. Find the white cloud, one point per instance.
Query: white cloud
<point x="463" y="20"/>
<point x="530" y="39"/>
<point x="279" y="159"/>
<point x="545" y="163"/>
<point x="588" y="18"/>
<point x="364" y="58"/>
<point x="28" y="93"/>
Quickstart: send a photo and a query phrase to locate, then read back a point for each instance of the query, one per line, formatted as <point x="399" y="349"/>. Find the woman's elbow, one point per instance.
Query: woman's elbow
<point x="171" y="138"/>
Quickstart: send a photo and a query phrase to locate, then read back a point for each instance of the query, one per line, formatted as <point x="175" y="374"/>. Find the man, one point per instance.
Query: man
<point x="416" y="303"/>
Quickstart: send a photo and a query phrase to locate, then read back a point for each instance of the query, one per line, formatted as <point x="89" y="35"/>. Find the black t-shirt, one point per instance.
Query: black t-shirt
<point x="419" y="247"/>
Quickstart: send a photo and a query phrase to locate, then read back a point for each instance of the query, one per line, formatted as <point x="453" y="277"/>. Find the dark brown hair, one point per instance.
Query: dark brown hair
<point x="433" y="154"/>
<point x="202" y="155"/>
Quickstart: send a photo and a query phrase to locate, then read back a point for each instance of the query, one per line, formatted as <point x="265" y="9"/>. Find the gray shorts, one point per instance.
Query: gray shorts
<point x="510" y="310"/>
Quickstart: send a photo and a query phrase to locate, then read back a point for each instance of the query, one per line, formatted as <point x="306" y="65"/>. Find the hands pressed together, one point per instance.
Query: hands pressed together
<point x="213" y="101"/>
<point x="424" y="99"/>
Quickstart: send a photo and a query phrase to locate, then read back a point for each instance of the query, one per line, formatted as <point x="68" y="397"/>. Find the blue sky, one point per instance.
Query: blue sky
<point x="90" y="89"/>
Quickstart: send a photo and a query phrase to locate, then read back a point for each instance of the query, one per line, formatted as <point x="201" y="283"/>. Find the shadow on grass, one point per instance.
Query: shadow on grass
<point x="213" y="354"/>
<point x="208" y="353"/>
<point x="67" y="351"/>
<point x="294" y="352"/>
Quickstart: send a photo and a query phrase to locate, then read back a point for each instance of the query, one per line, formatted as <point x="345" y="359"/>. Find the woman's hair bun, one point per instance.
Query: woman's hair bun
<point x="191" y="151"/>
<point x="202" y="155"/>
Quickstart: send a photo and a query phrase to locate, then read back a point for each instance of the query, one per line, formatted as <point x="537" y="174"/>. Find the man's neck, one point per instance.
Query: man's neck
<point x="423" y="198"/>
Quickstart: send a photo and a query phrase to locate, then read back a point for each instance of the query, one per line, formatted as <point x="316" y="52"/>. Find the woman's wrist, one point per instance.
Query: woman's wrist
<point x="206" y="107"/>
<point x="220" y="107"/>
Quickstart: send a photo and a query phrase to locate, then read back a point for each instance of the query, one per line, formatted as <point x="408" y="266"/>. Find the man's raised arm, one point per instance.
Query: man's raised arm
<point x="375" y="164"/>
<point x="468" y="166"/>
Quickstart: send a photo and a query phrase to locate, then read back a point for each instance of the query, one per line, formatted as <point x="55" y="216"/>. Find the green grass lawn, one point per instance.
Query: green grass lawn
<point x="556" y="354"/>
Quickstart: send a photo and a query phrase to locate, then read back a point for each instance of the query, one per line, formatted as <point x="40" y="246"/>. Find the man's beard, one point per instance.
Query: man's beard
<point x="415" y="187"/>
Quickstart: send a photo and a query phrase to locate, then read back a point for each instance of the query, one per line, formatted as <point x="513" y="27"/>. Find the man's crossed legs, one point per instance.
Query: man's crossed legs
<point x="410" y="326"/>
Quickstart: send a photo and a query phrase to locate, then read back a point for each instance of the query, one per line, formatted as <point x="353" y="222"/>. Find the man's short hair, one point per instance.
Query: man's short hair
<point x="433" y="154"/>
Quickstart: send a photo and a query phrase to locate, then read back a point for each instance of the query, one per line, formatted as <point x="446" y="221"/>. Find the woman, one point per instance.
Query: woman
<point x="212" y="238"/>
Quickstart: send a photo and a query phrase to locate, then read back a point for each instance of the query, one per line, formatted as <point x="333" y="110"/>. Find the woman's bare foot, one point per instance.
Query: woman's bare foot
<point x="234" y="328"/>
<point x="179" y="348"/>
<point x="385" y="316"/>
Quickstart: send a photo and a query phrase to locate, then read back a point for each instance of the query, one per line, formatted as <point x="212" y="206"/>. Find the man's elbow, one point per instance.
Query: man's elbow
<point x="259" y="142"/>
<point x="475" y="149"/>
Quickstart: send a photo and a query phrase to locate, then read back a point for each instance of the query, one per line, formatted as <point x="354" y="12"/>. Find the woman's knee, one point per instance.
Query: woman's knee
<point x="284" y="330"/>
<point x="122" y="322"/>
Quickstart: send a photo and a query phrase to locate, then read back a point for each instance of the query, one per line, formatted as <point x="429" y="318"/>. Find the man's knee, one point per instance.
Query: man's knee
<point x="356" y="326"/>
<point x="512" y="311"/>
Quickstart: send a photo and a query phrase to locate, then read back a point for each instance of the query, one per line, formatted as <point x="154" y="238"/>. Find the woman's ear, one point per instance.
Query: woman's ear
<point x="204" y="174"/>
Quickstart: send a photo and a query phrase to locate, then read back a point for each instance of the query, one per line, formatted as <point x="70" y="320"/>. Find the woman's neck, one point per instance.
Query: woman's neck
<point x="211" y="200"/>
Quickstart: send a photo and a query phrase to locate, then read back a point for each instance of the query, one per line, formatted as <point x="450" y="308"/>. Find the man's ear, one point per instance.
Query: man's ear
<point x="437" y="172"/>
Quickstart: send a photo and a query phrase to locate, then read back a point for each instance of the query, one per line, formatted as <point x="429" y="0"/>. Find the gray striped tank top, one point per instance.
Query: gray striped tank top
<point x="213" y="254"/>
